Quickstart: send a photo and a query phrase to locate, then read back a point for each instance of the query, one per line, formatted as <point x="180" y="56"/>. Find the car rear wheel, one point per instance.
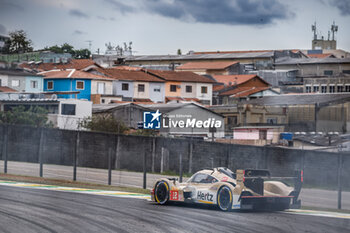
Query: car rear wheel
<point x="224" y="198"/>
<point x="161" y="192"/>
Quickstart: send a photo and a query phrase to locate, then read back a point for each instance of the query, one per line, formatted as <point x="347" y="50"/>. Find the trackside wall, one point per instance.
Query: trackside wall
<point x="91" y="149"/>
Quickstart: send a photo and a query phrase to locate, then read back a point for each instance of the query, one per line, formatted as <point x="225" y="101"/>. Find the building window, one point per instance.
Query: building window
<point x="323" y="89"/>
<point x="141" y="88"/>
<point x="156" y="89"/>
<point x="347" y="88"/>
<point x="308" y="89"/>
<point x="328" y="72"/>
<point x="125" y="86"/>
<point x="331" y="88"/>
<point x="272" y="121"/>
<point x="316" y="89"/>
<point x="15" y="83"/>
<point x="0" y="82"/>
<point x="204" y="89"/>
<point x="68" y="109"/>
<point x="189" y="89"/>
<point x="173" y="88"/>
<point x="340" y="88"/>
<point x="80" y="85"/>
<point x="100" y="88"/>
<point x="50" y="85"/>
<point x="346" y="71"/>
<point x="262" y="134"/>
<point x="34" y="84"/>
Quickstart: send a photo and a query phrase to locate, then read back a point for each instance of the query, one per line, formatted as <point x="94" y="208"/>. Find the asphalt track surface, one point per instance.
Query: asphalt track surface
<point x="32" y="210"/>
<point x="310" y="197"/>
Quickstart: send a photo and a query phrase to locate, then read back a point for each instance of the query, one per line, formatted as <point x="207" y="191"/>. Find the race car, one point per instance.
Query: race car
<point x="246" y="190"/>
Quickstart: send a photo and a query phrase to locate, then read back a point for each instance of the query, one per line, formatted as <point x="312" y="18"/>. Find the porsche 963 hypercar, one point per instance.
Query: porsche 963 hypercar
<point x="245" y="189"/>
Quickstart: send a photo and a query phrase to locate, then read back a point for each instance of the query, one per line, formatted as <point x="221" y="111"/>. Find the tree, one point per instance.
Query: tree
<point x="67" y="48"/>
<point x="35" y="116"/>
<point x="179" y="52"/>
<point x="18" y="42"/>
<point x="82" y="54"/>
<point x="103" y="123"/>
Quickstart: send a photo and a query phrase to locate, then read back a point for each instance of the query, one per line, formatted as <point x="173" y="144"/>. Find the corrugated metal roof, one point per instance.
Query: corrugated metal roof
<point x="301" y="99"/>
<point x="201" y="56"/>
<point x="329" y="60"/>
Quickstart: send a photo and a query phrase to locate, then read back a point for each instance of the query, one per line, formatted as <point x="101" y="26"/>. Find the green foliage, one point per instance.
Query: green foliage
<point x="82" y="54"/>
<point x="145" y="132"/>
<point x="35" y="116"/>
<point x="67" y="48"/>
<point x="179" y="52"/>
<point x="18" y="43"/>
<point x="104" y="123"/>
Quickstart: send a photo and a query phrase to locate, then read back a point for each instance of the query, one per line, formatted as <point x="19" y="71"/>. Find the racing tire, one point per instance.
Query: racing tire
<point x="224" y="198"/>
<point x="161" y="192"/>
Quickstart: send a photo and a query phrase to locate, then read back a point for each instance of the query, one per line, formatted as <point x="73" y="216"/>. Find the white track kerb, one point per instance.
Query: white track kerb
<point x="146" y="196"/>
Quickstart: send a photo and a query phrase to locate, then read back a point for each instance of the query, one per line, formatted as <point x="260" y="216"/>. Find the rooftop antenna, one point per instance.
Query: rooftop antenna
<point x="313" y="28"/>
<point x="334" y="28"/>
<point x="90" y="43"/>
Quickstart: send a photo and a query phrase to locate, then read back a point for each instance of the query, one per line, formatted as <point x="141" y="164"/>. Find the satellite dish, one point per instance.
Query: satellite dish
<point x="54" y="97"/>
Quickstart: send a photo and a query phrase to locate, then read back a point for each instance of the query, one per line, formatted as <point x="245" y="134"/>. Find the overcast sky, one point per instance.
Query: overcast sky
<point x="163" y="26"/>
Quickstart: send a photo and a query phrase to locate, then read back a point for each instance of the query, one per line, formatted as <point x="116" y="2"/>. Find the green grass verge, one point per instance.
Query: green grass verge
<point x="325" y="209"/>
<point x="68" y="183"/>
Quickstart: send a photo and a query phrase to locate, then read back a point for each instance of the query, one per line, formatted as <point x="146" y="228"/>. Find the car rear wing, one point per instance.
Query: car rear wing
<point x="250" y="174"/>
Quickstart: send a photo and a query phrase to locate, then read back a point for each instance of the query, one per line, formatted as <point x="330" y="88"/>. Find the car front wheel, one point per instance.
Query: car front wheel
<point x="224" y="198"/>
<point x="161" y="192"/>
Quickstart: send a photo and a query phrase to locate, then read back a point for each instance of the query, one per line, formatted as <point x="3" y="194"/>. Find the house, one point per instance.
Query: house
<point x="76" y="84"/>
<point x="308" y="112"/>
<point x="241" y="115"/>
<point x="233" y="88"/>
<point x="63" y="113"/>
<point x="129" y="113"/>
<point x="185" y="84"/>
<point x="136" y="84"/>
<point x="257" y="135"/>
<point x="21" y="80"/>
<point x="189" y="113"/>
<point x="211" y="68"/>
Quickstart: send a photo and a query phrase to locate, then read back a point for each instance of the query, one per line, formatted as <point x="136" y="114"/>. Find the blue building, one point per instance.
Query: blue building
<point x="77" y="84"/>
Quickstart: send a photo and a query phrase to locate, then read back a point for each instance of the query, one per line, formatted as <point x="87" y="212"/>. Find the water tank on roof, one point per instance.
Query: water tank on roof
<point x="287" y="136"/>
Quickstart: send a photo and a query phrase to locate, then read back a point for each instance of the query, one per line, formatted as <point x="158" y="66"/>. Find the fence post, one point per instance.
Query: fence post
<point x="75" y="156"/>
<point x="180" y="168"/>
<point x="340" y="165"/>
<point x="144" y="170"/>
<point x="41" y="144"/>
<point x="153" y="152"/>
<point x="191" y="156"/>
<point x="109" y="166"/>
<point x="162" y="161"/>
<point x="117" y="154"/>
<point x="4" y="147"/>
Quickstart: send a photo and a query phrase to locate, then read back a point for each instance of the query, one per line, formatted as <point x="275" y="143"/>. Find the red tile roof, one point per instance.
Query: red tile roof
<point x="180" y="76"/>
<point x="77" y="64"/>
<point x="7" y="89"/>
<point x="130" y="75"/>
<point x="236" y="79"/>
<point x="243" y="91"/>
<point x="246" y="51"/>
<point x="126" y="68"/>
<point x="322" y="55"/>
<point x="74" y="74"/>
<point x="215" y="65"/>
<point x="178" y="98"/>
